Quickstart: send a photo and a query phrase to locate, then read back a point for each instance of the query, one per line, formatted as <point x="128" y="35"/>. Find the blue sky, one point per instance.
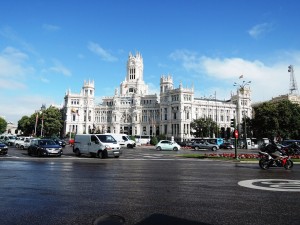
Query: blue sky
<point x="47" y="47"/>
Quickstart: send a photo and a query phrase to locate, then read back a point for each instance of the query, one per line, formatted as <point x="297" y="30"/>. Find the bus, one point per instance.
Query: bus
<point x="216" y="141"/>
<point x="142" y="139"/>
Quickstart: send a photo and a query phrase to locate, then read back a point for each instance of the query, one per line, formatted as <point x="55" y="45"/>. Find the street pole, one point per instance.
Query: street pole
<point x="242" y="89"/>
<point x="36" y="121"/>
<point x="217" y="130"/>
<point x="244" y="116"/>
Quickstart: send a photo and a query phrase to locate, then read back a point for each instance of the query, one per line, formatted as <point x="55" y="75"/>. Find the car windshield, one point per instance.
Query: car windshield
<point x="46" y="142"/>
<point x="106" y="138"/>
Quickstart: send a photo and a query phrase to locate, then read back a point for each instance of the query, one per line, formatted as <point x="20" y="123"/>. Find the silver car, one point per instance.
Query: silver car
<point x="197" y="145"/>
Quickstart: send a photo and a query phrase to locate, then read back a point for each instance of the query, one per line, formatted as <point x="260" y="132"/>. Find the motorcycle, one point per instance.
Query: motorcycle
<point x="267" y="161"/>
<point x="292" y="149"/>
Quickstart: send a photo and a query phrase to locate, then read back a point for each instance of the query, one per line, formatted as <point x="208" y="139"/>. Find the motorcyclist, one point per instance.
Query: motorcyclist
<point x="273" y="150"/>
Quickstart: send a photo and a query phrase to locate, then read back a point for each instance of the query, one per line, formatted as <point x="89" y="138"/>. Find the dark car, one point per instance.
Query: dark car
<point x="185" y="144"/>
<point x="226" y="145"/>
<point x="3" y="148"/>
<point x="62" y="143"/>
<point x="44" y="147"/>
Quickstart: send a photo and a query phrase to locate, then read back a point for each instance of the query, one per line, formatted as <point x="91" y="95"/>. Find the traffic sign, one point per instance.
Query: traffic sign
<point x="236" y="133"/>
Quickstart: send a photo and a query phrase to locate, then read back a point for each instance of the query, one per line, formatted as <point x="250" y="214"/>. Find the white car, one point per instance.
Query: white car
<point x="167" y="145"/>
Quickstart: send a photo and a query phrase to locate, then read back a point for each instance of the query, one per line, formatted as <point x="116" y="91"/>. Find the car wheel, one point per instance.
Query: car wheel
<point x="158" y="148"/>
<point x="175" y="149"/>
<point x="214" y="148"/>
<point x="100" y="155"/>
<point x="197" y="148"/>
<point x="77" y="152"/>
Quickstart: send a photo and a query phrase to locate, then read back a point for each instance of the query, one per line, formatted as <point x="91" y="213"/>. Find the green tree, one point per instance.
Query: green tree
<point x="249" y="127"/>
<point x="51" y="120"/>
<point x="153" y="140"/>
<point x="161" y="137"/>
<point x="277" y="119"/>
<point x="3" y="125"/>
<point x="26" y="125"/>
<point x="204" y="127"/>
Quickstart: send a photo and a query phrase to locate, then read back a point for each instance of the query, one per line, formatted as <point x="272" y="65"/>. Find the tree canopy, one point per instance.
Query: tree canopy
<point x="204" y="127"/>
<point x="273" y="119"/>
<point x="50" y="120"/>
<point x="3" y="125"/>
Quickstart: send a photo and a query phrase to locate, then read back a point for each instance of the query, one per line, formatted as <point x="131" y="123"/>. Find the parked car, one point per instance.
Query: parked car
<point x="204" y="145"/>
<point x="3" y="148"/>
<point x="123" y="140"/>
<point x="44" y="147"/>
<point x="19" y="143"/>
<point x="226" y="145"/>
<point x="62" y="143"/>
<point x="26" y="143"/>
<point x="8" y="139"/>
<point x="167" y="145"/>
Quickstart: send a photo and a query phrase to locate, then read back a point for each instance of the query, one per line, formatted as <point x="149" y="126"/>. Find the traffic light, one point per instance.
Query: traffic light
<point x="232" y="123"/>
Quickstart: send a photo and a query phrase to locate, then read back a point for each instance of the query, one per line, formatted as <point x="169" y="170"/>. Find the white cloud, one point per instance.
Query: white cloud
<point x="259" y="30"/>
<point x="14" y="54"/>
<point x="153" y="88"/>
<point x="11" y="35"/>
<point x="98" y="50"/>
<point x="50" y="27"/>
<point x="12" y="63"/>
<point x="267" y="80"/>
<point x="60" y="68"/>
<point x="10" y="84"/>
<point x="13" y="69"/>
<point x="22" y="105"/>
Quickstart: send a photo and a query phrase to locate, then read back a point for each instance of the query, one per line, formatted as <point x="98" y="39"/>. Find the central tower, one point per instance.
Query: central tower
<point x="134" y="83"/>
<point x="135" y="67"/>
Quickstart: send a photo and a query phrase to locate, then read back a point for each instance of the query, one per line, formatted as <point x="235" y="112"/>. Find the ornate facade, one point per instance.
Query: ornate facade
<point x="133" y="111"/>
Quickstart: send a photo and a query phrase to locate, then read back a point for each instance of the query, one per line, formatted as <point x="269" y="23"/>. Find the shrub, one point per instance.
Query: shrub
<point x="153" y="140"/>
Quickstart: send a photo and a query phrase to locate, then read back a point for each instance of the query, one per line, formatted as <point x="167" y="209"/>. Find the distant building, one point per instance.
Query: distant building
<point x="11" y="127"/>
<point x="294" y="98"/>
<point x="133" y="111"/>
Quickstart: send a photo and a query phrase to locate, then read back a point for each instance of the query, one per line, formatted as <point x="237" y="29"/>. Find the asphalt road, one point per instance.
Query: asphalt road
<point x="145" y="191"/>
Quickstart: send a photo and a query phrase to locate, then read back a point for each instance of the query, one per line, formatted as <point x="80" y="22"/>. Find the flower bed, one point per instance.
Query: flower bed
<point x="240" y="156"/>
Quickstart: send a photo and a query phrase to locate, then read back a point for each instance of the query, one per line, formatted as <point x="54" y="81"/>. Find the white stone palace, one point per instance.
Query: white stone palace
<point x="135" y="112"/>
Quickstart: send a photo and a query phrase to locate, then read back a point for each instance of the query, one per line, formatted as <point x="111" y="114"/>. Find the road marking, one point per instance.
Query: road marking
<point x="272" y="184"/>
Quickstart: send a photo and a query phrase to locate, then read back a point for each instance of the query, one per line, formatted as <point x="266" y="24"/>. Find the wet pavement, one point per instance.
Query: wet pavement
<point x="141" y="191"/>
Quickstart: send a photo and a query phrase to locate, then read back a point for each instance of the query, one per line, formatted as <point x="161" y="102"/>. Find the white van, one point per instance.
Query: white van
<point x="123" y="140"/>
<point x="99" y="145"/>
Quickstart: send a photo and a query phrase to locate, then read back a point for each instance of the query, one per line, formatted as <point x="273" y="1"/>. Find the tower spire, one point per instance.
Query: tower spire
<point x="293" y="83"/>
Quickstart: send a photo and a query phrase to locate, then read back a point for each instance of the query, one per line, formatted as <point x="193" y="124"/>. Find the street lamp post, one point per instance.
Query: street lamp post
<point x="36" y="121"/>
<point x="214" y="97"/>
<point x="242" y="89"/>
<point x="217" y="130"/>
